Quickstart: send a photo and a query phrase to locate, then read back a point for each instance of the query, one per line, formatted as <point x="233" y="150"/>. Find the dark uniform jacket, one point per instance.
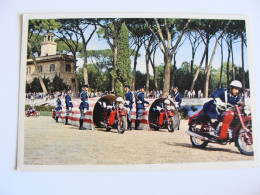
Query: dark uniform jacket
<point x="129" y="97"/>
<point x="68" y="101"/>
<point x="225" y="96"/>
<point x="177" y="97"/>
<point x="140" y="100"/>
<point x="58" y="104"/>
<point x="84" y="98"/>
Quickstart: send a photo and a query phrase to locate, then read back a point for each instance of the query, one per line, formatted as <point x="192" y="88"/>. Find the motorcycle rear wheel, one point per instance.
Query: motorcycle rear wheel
<point x="121" y="126"/>
<point x="196" y="142"/>
<point x="170" y="125"/>
<point x="244" y="141"/>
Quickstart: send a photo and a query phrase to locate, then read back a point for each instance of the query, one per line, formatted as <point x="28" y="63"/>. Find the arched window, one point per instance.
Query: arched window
<point x="68" y="68"/>
<point x="52" y="67"/>
<point x="40" y="69"/>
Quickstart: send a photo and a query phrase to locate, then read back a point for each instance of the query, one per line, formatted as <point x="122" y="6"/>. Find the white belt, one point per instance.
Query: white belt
<point x="139" y="102"/>
<point x="70" y="101"/>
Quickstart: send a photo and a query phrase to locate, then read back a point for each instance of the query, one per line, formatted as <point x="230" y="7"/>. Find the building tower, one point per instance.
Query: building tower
<point x="48" y="46"/>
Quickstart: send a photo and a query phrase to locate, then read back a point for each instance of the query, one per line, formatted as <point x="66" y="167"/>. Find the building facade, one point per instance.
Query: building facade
<point x="49" y="63"/>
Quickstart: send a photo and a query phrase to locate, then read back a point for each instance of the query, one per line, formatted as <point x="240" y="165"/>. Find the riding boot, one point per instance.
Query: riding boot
<point x="57" y="119"/>
<point x="129" y="125"/>
<point x="66" y="121"/>
<point x="81" y="125"/>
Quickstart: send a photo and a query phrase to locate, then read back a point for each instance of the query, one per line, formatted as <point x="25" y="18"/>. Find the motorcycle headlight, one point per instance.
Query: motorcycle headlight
<point x="169" y="107"/>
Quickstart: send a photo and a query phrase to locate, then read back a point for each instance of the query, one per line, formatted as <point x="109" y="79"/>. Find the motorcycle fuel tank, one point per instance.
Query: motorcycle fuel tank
<point x="227" y="119"/>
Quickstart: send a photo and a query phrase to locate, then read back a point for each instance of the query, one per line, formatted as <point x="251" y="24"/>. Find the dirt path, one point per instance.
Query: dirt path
<point x="50" y="143"/>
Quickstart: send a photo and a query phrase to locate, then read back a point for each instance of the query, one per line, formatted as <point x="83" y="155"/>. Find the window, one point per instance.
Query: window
<point x="52" y="68"/>
<point x="68" y="68"/>
<point x="40" y="69"/>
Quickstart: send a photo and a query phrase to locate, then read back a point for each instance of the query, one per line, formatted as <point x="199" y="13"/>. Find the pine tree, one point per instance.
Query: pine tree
<point x="123" y="73"/>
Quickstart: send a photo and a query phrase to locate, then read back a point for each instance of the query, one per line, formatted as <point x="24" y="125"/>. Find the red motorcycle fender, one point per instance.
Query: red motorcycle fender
<point x="238" y="126"/>
<point x="112" y="117"/>
<point x="53" y="114"/>
<point x="170" y="114"/>
<point x="161" y="118"/>
<point x="227" y="119"/>
<point x="121" y="112"/>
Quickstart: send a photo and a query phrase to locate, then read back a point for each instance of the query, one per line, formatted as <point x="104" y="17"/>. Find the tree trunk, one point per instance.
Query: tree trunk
<point x="167" y="74"/>
<point x="209" y="68"/>
<point x="192" y="62"/>
<point x="173" y="68"/>
<point x="228" y="67"/>
<point x="76" y="77"/>
<point x="147" y="72"/>
<point x="44" y="89"/>
<point x="135" y="64"/>
<point x="114" y="67"/>
<point x="198" y="70"/>
<point x="232" y="60"/>
<point x="243" y="65"/>
<point x="221" y="68"/>
<point x="154" y="71"/>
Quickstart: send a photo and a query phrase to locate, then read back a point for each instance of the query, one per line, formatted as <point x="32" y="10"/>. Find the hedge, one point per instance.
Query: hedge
<point x="41" y="108"/>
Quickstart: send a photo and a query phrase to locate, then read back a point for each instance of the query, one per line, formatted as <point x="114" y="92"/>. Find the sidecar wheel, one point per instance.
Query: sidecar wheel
<point x="121" y="127"/>
<point x="244" y="141"/>
<point x="170" y="124"/>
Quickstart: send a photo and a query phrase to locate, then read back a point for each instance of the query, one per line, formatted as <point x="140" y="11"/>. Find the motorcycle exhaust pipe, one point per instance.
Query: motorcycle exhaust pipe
<point x="197" y="136"/>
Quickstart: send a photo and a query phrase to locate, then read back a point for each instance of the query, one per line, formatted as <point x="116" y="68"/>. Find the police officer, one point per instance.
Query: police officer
<point x="176" y="96"/>
<point x="215" y="107"/>
<point x="69" y="105"/>
<point x="129" y="104"/>
<point x="139" y="106"/>
<point x="58" y="107"/>
<point x="100" y="93"/>
<point x="84" y="104"/>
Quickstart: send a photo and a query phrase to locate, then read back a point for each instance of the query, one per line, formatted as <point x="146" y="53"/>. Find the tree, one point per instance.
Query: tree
<point x="110" y="30"/>
<point x="35" y="30"/>
<point x="168" y="30"/>
<point x="57" y="84"/>
<point x="68" y="42"/>
<point x="123" y="72"/>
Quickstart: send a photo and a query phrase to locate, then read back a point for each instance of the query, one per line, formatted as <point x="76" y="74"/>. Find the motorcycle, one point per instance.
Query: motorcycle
<point x="164" y="118"/>
<point x="35" y="113"/>
<point x="115" y="117"/>
<point x="236" y="127"/>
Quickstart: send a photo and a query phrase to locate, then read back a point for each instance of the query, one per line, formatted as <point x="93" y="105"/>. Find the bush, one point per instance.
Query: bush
<point x="41" y="108"/>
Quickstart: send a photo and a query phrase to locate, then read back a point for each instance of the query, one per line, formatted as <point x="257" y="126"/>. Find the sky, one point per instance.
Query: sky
<point x="183" y="54"/>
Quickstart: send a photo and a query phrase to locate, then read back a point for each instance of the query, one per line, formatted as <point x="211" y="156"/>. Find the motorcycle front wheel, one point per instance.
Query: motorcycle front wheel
<point x="121" y="126"/>
<point x="244" y="141"/>
<point x="170" y="124"/>
<point x="196" y="142"/>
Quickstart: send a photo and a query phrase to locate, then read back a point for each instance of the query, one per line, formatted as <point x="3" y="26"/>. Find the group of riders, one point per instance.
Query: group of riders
<point x="212" y="109"/>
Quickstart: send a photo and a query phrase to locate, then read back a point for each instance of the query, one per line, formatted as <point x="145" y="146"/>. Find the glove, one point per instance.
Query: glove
<point x="220" y="105"/>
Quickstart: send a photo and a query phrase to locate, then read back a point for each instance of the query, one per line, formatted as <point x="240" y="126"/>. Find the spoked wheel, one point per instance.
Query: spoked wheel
<point x="106" y="126"/>
<point x="196" y="142"/>
<point x="121" y="126"/>
<point x="244" y="141"/>
<point x="170" y="124"/>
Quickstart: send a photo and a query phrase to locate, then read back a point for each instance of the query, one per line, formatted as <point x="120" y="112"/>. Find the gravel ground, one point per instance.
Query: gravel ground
<point x="50" y="143"/>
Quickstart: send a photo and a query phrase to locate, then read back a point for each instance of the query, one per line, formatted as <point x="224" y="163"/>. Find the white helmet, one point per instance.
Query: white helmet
<point x="167" y="101"/>
<point x="119" y="99"/>
<point x="236" y="83"/>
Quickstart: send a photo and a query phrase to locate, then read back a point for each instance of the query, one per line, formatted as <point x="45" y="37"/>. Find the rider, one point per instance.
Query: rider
<point x="83" y="105"/>
<point x="31" y="109"/>
<point x="68" y="104"/>
<point x="129" y="100"/>
<point x="215" y="107"/>
<point x="139" y="106"/>
<point x="58" y="107"/>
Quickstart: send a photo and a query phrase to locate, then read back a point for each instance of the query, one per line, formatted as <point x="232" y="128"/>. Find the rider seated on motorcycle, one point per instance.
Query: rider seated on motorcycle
<point x="31" y="109"/>
<point x="215" y="107"/>
<point x="160" y="107"/>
